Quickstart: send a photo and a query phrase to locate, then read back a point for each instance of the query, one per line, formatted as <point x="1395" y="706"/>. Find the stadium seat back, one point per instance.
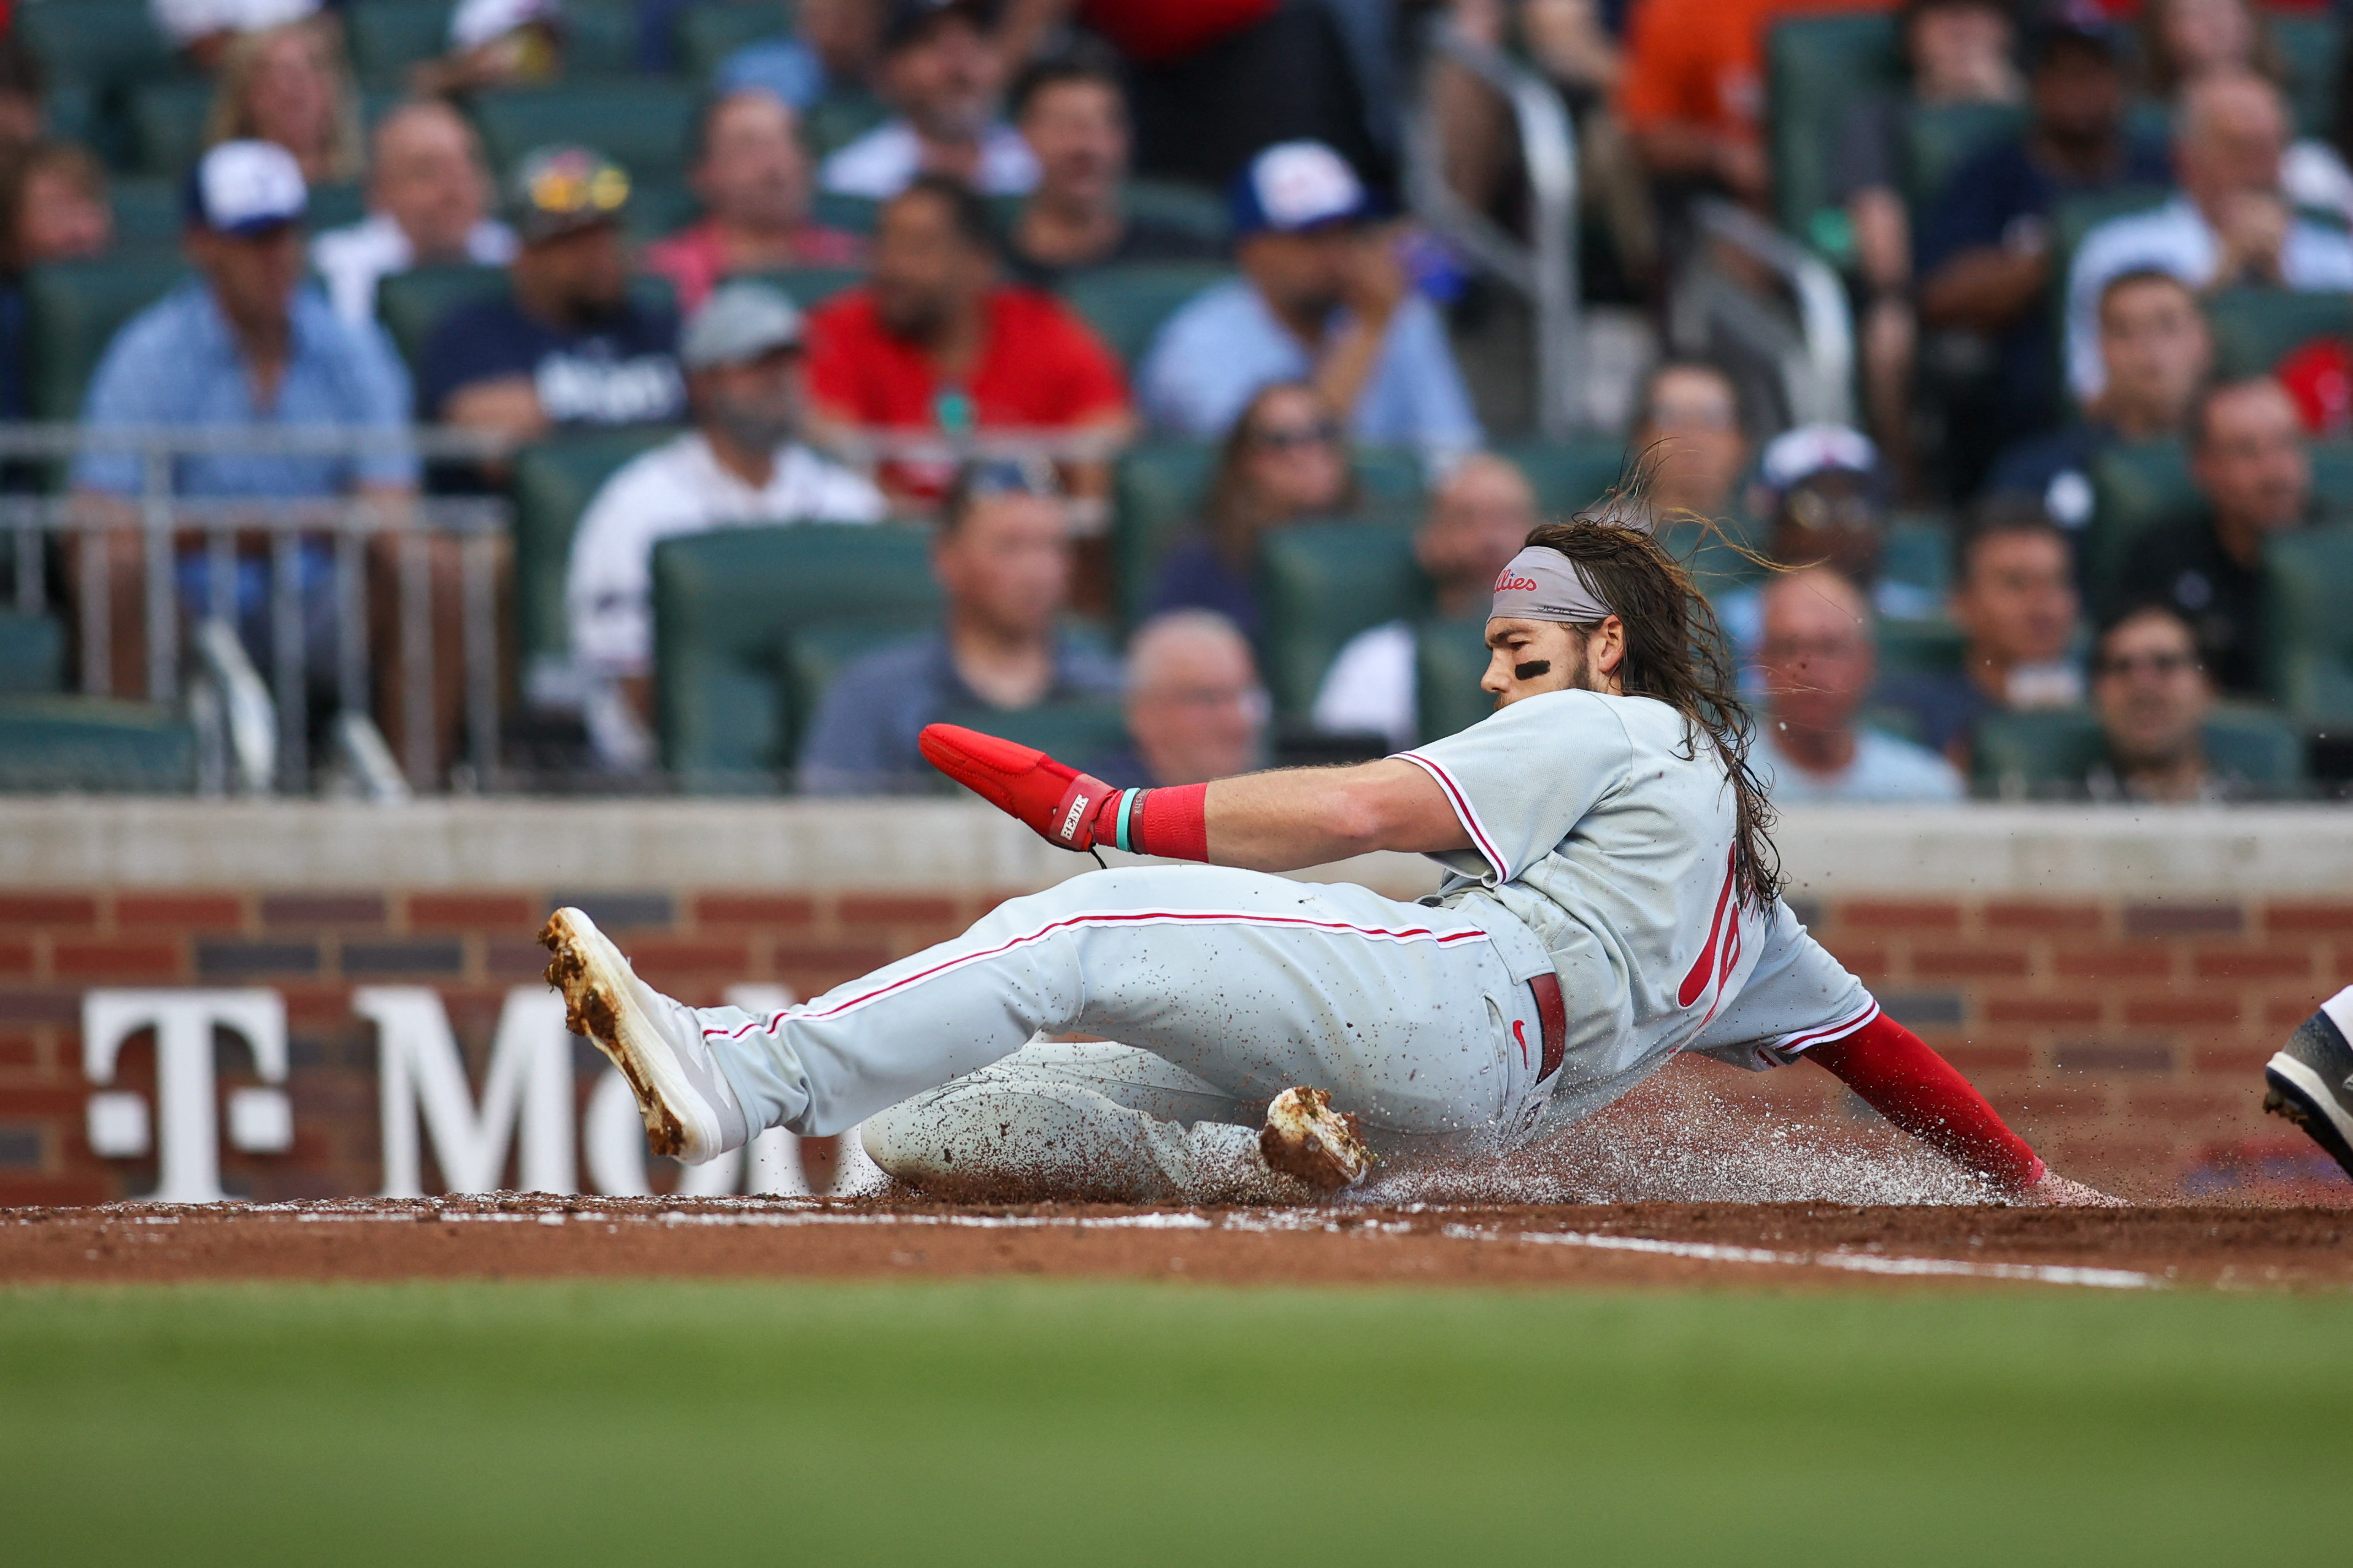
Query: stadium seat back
<point x="52" y="744"/>
<point x="729" y="605"/>
<point x="411" y="304"/>
<point x="100" y="43"/>
<point x="2309" y="48"/>
<point x="73" y="309"/>
<point x="706" y="35"/>
<point x="2309" y="624"/>
<point x="336" y="205"/>
<point x="2332" y="475"/>
<point x="149" y="211"/>
<point x="1816" y="69"/>
<point x="2035" y="756"/>
<point x="554" y="480"/>
<point x="2261" y="746"/>
<point x="660" y="208"/>
<point x="2254" y="329"/>
<point x="1566" y="475"/>
<point x="1919" y="553"/>
<point x="853" y="215"/>
<point x="1939" y="138"/>
<point x="1126" y="305"/>
<point x="1085" y="734"/>
<point x="600" y="37"/>
<point x="386" y="39"/>
<point x="167" y="122"/>
<point x="1181" y="205"/>
<point x="841" y="117"/>
<point x="32" y="653"/>
<point x="1449" y="656"/>
<point x="809" y="286"/>
<point x="2135" y="487"/>
<point x="643" y="125"/>
<point x="1932" y="646"/>
<point x="1320" y="584"/>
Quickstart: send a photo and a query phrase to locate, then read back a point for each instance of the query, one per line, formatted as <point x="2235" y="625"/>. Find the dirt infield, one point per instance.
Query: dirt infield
<point x="1812" y="1245"/>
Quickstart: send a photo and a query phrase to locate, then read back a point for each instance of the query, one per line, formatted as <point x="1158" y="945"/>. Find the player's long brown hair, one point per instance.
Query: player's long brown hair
<point x="1678" y="655"/>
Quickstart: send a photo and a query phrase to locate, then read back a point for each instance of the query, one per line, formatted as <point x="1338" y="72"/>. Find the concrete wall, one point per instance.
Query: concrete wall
<point x="2114" y="980"/>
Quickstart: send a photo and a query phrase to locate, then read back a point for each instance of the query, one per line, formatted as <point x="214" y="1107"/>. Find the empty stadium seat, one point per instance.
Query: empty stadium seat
<point x="2135" y="487"/>
<point x="2308" y="626"/>
<point x="1157" y="488"/>
<point x="1449" y="658"/>
<point x="73" y="310"/>
<point x="554" y="480"/>
<point x="707" y="35"/>
<point x="642" y="125"/>
<point x="1321" y="583"/>
<point x="2254" y="329"/>
<point x="2045" y="754"/>
<point x="1126" y="305"/>
<point x="32" y="653"/>
<point x="727" y="607"/>
<point x="1816" y="66"/>
<point x="50" y="744"/>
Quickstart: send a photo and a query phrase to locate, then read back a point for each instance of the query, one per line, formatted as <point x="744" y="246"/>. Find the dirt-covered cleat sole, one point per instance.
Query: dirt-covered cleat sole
<point x="2310" y="1080"/>
<point x="1305" y="1138"/>
<point x="686" y="1107"/>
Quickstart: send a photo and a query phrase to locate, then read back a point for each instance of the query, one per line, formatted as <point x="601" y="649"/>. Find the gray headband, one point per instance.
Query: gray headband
<point x="1543" y="585"/>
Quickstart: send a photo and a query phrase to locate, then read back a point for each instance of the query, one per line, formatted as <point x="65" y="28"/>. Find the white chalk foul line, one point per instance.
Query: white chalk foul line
<point x="1852" y="1262"/>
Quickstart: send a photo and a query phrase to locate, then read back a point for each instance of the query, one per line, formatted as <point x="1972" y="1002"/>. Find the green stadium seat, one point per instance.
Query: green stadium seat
<point x="853" y="214"/>
<point x="94" y="43"/>
<point x="1567" y="475"/>
<point x="148" y="210"/>
<point x="554" y="482"/>
<point x="1086" y="735"/>
<point x="728" y="606"/>
<point x="57" y="744"/>
<point x="642" y="125"/>
<point x="2254" y="329"/>
<point x="1939" y="138"/>
<point x="167" y="121"/>
<point x="1181" y="205"/>
<point x="2309" y="48"/>
<point x="2045" y="754"/>
<point x="410" y="304"/>
<point x="387" y="39"/>
<point x="1126" y="305"/>
<point x="1157" y="488"/>
<point x="1449" y="658"/>
<point x="336" y="205"/>
<point x="1320" y="584"/>
<point x="73" y="310"/>
<point x="1815" y="68"/>
<point x="707" y="35"/>
<point x="2308" y="626"/>
<point x="660" y="208"/>
<point x="1919" y="553"/>
<point x="809" y="286"/>
<point x="32" y="653"/>
<point x="1932" y="646"/>
<point x="2135" y="487"/>
<point x="841" y="117"/>
<point x="600" y="38"/>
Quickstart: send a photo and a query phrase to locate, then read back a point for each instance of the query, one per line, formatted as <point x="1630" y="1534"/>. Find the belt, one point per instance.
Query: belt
<point x="1552" y="1017"/>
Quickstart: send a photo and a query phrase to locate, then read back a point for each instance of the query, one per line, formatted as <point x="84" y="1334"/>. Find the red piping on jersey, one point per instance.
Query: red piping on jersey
<point x="1824" y="1034"/>
<point x="1711" y="963"/>
<point x="1463" y="812"/>
<point x="1132" y="917"/>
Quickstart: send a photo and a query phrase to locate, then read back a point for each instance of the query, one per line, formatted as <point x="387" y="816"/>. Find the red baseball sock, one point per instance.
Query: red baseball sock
<point x="1897" y="1075"/>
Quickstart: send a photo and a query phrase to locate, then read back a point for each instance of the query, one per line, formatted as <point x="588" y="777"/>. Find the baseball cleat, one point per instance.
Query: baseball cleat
<point x="1304" y="1137"/>
<point x="691" y="1113"/>
<point x="2310" y="1079"/>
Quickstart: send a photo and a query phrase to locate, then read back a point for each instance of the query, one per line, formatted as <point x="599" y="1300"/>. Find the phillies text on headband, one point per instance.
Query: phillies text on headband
<point x="1543" y="585"/>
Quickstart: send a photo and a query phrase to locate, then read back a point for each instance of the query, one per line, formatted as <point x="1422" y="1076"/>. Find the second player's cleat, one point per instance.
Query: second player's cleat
<point x="1304" y="1137"/>
<point x="691" y="1113"/>
<point x="2310" y="1079"/>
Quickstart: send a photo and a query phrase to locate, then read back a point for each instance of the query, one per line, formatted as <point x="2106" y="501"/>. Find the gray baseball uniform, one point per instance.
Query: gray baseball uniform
<point x="1604" y="847"/>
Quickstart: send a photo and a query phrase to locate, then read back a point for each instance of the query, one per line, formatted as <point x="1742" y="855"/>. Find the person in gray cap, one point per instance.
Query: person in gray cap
<point x="742" y="464"/>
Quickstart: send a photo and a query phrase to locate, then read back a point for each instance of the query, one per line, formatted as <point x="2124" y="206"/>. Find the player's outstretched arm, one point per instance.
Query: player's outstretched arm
<point x="1896" y="1074"/>
<point x="1278" y="821"/>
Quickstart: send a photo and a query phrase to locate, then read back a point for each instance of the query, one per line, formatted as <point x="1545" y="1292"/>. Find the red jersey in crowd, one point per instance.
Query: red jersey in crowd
<point x="1040" y="368"/>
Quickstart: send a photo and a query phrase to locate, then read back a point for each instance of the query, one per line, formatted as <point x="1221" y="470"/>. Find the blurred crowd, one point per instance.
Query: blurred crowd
<point x="1216" y="448"/>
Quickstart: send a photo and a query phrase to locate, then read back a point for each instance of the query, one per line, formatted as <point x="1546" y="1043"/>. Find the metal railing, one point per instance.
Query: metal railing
<point x="1543" y="268"/>
<point x="1817" y="374"/>
<point x="220" y="529"/>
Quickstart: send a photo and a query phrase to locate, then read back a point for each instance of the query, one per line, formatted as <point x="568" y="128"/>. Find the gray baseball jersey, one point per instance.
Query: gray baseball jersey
<point x="1608" y="831"/>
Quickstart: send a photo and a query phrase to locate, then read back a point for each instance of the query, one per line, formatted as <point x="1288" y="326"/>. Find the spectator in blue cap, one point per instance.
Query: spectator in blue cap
<point x="245" y="344"/>
<point x="1323" y="297"/>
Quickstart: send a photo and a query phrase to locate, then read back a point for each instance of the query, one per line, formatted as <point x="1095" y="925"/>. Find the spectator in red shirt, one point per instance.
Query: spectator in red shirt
<point x="936" y="341"/>
<point x="753" y="177"/>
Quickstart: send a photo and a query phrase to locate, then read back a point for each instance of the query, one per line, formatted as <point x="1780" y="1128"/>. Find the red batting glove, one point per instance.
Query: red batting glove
<point x="1058" y="803"/>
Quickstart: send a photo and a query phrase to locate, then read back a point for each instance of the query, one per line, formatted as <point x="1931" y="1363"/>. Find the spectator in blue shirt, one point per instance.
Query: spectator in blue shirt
<point x="1323" y="297"/>
<point x="245" y="345"/>
<point x="1985" y="248"/>
<point x="828" y="52"/>
<point x="1005" y="558"/>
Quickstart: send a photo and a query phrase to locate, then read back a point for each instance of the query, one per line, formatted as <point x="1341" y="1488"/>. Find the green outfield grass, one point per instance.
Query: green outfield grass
<point x="1040" y="1423"/>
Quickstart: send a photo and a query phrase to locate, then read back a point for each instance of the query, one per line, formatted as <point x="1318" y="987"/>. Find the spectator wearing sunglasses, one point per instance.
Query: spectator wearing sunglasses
<point x="565" y="345"/>
<point x="1285" y="459"/>
<point x="2151" y="691"/>
<point x="1004" y="560"/>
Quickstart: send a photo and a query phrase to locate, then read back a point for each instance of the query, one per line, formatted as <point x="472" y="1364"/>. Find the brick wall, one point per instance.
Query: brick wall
<point x="2127" y="1039"/>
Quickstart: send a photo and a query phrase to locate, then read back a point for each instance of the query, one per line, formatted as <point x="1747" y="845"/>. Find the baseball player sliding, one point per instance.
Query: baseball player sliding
<point x="1612" y="899"/>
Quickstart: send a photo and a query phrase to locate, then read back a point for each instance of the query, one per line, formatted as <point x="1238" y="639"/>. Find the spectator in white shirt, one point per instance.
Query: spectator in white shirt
<point x="205" y="27"/>
<point x="2230" y="223"/>
<point x="943" y="73"/>
<point x="740" y="465"/>
<point x="1819" y="662"/>
<point x="1478" y="520"/>
<point x="428" y="205"/>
